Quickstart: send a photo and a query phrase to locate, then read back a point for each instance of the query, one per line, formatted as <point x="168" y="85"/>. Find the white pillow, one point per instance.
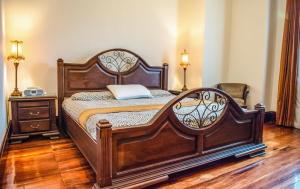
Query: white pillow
<point x="122" y="92"/>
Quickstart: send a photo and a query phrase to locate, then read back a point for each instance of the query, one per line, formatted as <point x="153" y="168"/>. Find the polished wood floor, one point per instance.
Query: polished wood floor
<point x="52" y="164"/>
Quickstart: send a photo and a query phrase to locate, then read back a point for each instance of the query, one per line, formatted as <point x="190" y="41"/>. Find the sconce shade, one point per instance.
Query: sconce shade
<point x="16" y="52"/>
<point x="184" y="63"/>
<point x="184" y="59"/>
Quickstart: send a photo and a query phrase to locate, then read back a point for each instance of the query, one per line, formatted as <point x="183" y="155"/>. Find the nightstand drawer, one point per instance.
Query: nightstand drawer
<point x="33" y="113"/>
<point x="33" y="104"/>
<point x="34" y="126"/>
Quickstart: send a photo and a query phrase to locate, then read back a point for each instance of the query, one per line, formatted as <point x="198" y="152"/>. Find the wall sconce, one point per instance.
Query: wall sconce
<point x="16" y="57"/>
<point x="184" y="64"/>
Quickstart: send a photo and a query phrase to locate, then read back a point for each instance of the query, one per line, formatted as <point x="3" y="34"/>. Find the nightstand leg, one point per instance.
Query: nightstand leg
<point x="17" y="139"/>
<point x="52" y="135"/>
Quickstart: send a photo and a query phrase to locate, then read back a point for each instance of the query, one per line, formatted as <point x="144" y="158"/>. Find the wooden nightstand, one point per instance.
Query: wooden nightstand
<point x="33" y="116"/>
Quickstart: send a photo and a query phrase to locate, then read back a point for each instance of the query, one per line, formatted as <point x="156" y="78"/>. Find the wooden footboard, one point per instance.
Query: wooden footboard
<point x="197" y="127"/>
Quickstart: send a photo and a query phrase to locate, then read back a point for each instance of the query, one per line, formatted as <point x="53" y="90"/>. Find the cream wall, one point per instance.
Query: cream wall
<point x="228" y="40"/>
<point x="248" y="56"/>
<point x="242" y="43"/>
<point x="277" y="19"/>
<point x="255" y="48"/>
<point x="3" y="122"/>
<point x="217" y="36"/>
<point x="191" y="35"/>
<point x="77" y="29"/>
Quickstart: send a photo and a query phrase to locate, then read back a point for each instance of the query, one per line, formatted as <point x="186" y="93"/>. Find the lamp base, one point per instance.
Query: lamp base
<point x="16" y="92"/>
<point x="184" y="88"/>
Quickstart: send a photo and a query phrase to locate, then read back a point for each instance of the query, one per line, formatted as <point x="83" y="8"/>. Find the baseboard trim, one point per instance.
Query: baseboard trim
<point x="3" y="150"/>
<point x="270" y="117"/>
<point x="4" y="143"/>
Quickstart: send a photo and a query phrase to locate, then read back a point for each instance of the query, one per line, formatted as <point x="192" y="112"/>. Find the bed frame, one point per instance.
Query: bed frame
<point x="137" y="157"/>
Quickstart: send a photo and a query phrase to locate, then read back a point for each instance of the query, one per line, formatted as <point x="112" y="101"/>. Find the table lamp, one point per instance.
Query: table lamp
<point x="184" y="64"/>
<point x="16" y="57"/>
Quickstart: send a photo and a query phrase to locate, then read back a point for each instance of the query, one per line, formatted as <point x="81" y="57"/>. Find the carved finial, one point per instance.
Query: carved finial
<point x="259" y="106"/>
<point x="165" y="64"/>
<point x="103" y="123"/>
<point x="60" y="61"/>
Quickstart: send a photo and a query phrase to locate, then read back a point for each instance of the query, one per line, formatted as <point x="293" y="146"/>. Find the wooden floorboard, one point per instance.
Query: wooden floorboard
<point x="59" y="164"/>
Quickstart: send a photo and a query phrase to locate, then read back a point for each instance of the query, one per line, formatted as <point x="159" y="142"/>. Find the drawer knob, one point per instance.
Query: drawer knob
<point x="35" y="126"/>
<point x="34" y="114"/>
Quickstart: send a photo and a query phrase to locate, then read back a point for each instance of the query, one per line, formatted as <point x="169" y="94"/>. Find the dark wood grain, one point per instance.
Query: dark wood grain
<point x="104" y="153"/>
<point x="82" y="141"/>
<point x="165" y="146"/>
<point x="33" y="113"/>
<point x="34" y="125"/>
<point x="26" y="103"/>
<point x="93" y="76"/>
<point x="150" y="153"/>
<point x="61" y="165"/>
<point x="33" y="116"/>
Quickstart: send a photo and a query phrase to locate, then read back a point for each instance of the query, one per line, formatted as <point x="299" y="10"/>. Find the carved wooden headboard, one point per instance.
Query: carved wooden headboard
<point x="114" y="66"/>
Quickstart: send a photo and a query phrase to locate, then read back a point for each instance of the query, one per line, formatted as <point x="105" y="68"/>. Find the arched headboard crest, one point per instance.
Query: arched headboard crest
<point x="118" y="61"/>
<point x="114" y="66"/>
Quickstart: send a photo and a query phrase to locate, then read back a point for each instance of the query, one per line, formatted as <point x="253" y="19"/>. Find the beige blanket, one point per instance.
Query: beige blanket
<point x="84" y="116"/>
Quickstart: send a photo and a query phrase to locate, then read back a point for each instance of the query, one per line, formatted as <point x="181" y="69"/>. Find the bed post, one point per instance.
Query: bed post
<point x="60" y="91"/>
<point x="104" y="154"/>
<point x="165" y="76"/>
<point x="259" y="123"/>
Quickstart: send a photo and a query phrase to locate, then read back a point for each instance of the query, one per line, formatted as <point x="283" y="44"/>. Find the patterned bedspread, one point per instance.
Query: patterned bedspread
<point x="75" y="107"/>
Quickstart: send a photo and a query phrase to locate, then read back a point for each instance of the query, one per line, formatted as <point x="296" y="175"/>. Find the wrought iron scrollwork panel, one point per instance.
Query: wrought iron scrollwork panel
<point x="118" y="61"/>
<point x="201" y="111"/>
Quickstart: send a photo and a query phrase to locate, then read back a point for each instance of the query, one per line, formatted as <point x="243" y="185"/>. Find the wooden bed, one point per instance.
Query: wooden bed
<point x="142" y="156"/>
